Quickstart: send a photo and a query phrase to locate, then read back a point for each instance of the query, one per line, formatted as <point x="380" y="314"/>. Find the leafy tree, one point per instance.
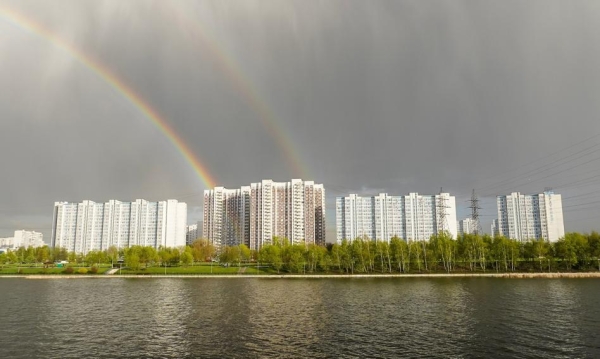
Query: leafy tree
<point x="3" y="258"/>
<point x="112" y="254"/>
<point x="245" y="253"/>
<point x="132" y="260"/>
<point x="203" y="250"/>
<point x="271" y="254"/>
<point x="187" y="258"/>
<point x="42" y="254"/>
<point x="164" y="255"/>
<point x="12" y="257"/>
<point x="400" y="254"/>
<point x="147" y="255"/>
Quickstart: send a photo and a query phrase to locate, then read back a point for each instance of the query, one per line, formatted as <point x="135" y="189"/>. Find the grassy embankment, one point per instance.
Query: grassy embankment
<point x="31" y="269"/>
<point x="201" y="268"/>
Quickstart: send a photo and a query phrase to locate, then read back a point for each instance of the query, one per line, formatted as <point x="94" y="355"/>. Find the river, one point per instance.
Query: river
<point x="299" y="318"/>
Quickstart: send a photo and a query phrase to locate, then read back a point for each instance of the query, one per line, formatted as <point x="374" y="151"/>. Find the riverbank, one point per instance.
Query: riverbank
<point x="321" y="276"/>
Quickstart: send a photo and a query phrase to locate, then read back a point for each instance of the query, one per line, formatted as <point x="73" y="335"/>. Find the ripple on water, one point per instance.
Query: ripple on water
<point x="258" y="318"/>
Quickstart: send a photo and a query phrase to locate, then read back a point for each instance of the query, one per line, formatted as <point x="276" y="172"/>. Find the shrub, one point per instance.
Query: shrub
<point x="20" y="271"/>
<point x="82" y="271"/>
<point x="69" y="270"/>
<point x="94" y="270"/>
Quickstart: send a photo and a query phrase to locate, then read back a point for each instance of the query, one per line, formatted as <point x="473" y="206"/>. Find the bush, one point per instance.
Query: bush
<point x="82" y="271"/>
<point x="69" y="270"/>
<point x="94" y="270"/>
<point x="20" y="271"/>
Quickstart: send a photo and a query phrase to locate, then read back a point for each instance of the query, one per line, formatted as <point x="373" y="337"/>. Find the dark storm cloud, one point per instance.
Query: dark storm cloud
<point x="376" y="96"/>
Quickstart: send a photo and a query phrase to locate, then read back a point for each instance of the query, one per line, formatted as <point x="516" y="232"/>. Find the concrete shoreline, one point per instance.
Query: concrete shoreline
<point x="316" y="276"/>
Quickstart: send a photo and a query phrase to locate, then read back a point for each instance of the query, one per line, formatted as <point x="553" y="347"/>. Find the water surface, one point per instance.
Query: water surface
<point x="323" y="318"/>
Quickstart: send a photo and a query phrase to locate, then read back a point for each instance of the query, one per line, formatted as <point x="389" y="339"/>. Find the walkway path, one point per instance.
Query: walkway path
<point x="111" y="271"/>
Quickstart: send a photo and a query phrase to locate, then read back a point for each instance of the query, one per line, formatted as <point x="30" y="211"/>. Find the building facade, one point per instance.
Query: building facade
<point x="23" y="238"/>
<point x="254" y="214"/>
<point x="191" y="233"/>
<point x="382" y="217"/>
<point x="537" y="216"/>
<point x="467" y="226"/>
<point x="87" y="226"/>
<point x="495" y="231"/>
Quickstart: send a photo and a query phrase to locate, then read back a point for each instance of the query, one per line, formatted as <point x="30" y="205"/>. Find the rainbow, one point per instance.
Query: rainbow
<point x="117" y="84"/>
<point x="243" y="85"/>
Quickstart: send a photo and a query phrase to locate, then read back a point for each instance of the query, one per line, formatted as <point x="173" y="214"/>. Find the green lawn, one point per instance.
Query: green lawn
<point x="200" y="269"/>
<point x="12" y="269"/>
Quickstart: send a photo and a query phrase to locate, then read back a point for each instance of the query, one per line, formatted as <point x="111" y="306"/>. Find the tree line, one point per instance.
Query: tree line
<point x="441" y="253"/>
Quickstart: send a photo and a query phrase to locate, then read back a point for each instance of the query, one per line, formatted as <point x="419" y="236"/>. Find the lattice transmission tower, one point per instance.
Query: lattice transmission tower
<point x="441" y="212"/>
<point x="475" y="213"/>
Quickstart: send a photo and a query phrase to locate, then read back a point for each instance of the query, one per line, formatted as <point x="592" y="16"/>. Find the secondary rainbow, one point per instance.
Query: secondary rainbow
<point x="121" y="87"/>
<point x="242" y="84"/>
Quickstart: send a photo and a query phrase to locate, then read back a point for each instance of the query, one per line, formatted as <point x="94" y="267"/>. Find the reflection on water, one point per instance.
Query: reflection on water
<point x="178" y="318"/>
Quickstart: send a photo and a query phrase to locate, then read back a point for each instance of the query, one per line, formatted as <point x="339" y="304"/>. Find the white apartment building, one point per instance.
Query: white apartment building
<point x="254" y="214"/>
<point x="23" y="238"/>
<point x="381" y="217"/>
<point x="495" y="231"/>
<point x="192" y="233"/>
<point x="86" y="226"/>
<point x="537" y="216"/>
<point x="467" y="226"/>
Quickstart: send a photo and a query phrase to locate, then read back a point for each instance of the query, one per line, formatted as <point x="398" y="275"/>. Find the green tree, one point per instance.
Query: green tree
<point x="202" y="250"/>
<point x="245" y="253"/>
<point x="132" y="259"/>
<point x="42" y="254"/>
<point x="400" y="254"/>
<point x="147" y="255"/>
<point x="164" y="255"/>
<point x="12" y="257"/>
<point x="3" y="258"/>
<point x="271" y="254"/>
<point x="112" y="254"/>
<point x="187" y="258"/>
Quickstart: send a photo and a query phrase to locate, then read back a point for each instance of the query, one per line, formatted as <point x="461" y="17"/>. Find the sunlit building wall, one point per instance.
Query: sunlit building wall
<point x="467" y="226"/>
<point x="23" y="238"/>
<point x="86" y="226"/>
<point x="382" y="217"/>
<point x="538" y="216"/>
<point x="254" y="214"/>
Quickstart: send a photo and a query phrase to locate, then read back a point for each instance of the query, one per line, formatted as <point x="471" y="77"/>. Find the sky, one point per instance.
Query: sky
<point x="362" y="96"/>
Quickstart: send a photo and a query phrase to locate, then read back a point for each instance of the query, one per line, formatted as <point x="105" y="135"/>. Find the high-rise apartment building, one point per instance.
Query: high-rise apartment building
<point x="495" y="231"/>
<point x="23" y="238"/>
<point x="467" y="226"/>
<point x="254" y="214"/>
<point x="537" y="216"/>
<point x="191" y="233"/>
<point x="86" y="226"/>
<point x="381" y="217"/>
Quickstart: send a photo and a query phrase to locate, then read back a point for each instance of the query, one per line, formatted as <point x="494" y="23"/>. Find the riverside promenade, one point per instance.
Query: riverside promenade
<point x="316" y="276"/>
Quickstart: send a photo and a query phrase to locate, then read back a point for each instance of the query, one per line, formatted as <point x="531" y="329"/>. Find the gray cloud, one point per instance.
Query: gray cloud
<point x="392" y="96"/>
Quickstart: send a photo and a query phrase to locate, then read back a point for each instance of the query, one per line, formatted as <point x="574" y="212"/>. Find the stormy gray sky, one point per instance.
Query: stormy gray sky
<point x="371" y="96"/>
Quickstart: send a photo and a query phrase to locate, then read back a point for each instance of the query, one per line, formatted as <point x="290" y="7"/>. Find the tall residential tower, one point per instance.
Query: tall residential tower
<point x="254" y="214"/>
<point x="381" y="217"/>
<point x="537" y="216"/>
<point x="87" y="226"/>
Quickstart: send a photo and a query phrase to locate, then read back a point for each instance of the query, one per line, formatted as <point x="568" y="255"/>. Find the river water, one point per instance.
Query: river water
<point x="300" y="318"/>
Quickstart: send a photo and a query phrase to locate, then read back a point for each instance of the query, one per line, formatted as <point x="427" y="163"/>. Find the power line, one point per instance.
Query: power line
<point x="544" y="157"/>
<point x="562" y="171"/>
<point x="542" y="168"/>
